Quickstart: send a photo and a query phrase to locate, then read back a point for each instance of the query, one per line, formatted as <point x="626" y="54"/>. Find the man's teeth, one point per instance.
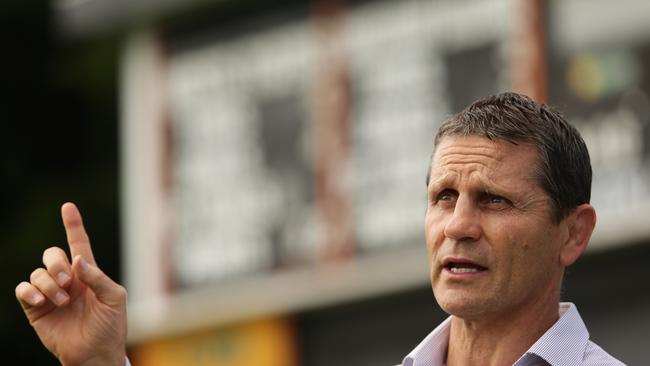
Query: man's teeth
<point x="463" y="270"/>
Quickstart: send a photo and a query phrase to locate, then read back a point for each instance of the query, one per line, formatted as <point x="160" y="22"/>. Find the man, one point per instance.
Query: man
<point x="508" y="209"/>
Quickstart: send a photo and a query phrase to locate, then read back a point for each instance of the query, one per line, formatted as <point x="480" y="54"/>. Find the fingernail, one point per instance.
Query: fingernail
<point x="63" y="278"/>
<point x="37" y="298"/>
<point x="83" y="264"/>
<point x="60" y="298"/>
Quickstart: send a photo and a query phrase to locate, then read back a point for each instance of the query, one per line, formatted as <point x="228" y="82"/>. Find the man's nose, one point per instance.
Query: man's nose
<point x="464" y="225"/>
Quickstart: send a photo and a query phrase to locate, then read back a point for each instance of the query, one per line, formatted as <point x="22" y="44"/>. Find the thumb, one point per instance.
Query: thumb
<point x="106" y="290"/>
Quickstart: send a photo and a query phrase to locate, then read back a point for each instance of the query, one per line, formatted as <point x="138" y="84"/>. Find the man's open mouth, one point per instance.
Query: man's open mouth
<point x="464" y="267"/>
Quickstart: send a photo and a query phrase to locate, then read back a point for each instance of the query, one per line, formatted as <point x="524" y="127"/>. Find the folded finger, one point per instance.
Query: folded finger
<point x="57" y="264"/>
<point x="42" y="280"/>
<point x="106" y="290"/>
<point x="28" y="295"/>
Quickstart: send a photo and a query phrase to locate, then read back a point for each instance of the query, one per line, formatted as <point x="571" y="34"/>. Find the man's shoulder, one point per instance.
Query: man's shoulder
<point x="595" y="355"/>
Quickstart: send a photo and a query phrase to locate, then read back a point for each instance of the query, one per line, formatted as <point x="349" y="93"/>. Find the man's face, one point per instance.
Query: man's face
<point x="492" y="245"/>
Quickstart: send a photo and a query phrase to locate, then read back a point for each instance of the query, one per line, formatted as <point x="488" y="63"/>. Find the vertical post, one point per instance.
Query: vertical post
<point x="529" y="50"/>
<point x="331" y="141"/>
<point x="145" y="169"/>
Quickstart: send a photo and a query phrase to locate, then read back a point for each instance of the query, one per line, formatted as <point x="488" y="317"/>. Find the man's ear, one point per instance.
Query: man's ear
<point x="581" y="224"/>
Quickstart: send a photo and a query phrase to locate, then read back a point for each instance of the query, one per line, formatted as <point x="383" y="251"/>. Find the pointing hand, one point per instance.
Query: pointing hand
<point x="77" y="311"/>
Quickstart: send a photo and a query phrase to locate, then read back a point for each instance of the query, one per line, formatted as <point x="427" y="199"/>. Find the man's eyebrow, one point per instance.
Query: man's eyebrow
<point x="439" y="181"/>
<point x="483" y="185"/>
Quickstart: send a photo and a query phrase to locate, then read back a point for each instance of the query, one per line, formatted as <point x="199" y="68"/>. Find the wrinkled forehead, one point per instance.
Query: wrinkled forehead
<point x="496" y="146"/>
<point x="497" y="157"/>
<point x="472" y="145"/>
<point x="493" y="148"/>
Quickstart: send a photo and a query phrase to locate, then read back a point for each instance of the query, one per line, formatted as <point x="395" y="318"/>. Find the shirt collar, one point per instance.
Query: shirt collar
<point x="432" y="351"/>
<point x="564" y="343"/>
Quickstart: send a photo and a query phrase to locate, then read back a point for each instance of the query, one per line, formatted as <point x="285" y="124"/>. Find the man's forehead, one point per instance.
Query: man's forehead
<point x="498" y="156"/>
<point x="476" y="145"/>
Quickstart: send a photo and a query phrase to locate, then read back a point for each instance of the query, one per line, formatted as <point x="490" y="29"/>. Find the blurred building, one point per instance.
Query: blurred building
<point x="274" y="157"/>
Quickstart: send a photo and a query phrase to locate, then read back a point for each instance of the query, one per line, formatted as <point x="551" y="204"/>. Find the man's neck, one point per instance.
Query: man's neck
<point x="499" y="340"/>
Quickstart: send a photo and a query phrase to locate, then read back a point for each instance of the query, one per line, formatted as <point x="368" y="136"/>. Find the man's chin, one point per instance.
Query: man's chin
<point x="463" y="305"/>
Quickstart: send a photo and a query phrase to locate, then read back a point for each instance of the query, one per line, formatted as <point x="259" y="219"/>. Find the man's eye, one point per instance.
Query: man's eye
<point x="446" y="195"/>
<point x="498" y="199"/>
<point x="493" y="199"/>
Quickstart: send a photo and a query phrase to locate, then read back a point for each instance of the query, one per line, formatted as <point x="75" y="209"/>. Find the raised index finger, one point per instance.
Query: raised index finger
<point x="74" y="230"/>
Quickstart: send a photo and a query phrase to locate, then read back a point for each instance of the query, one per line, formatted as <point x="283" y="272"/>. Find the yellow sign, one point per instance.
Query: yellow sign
<point x="267" y="342"/>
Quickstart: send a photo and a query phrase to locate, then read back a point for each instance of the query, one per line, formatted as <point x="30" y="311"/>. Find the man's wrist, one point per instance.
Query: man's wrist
<point x="115" y="359"/>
